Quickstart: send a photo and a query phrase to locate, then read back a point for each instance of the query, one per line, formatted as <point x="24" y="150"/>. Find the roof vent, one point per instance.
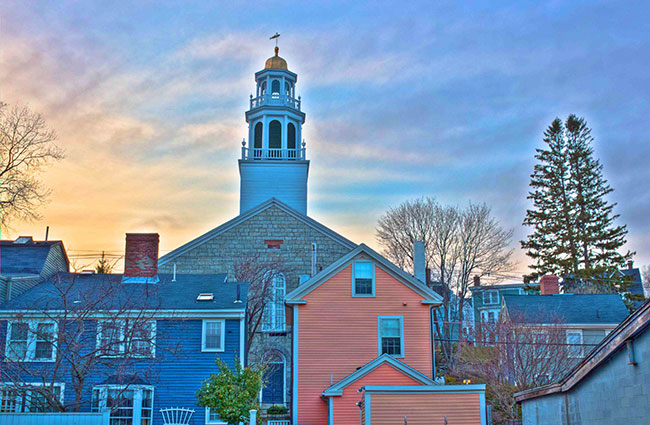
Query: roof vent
<point x="205" y="296"/>
<point x="24" y="239"/>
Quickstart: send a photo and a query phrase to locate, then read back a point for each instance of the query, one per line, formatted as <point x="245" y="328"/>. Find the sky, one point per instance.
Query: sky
<point x="403" y="100"/>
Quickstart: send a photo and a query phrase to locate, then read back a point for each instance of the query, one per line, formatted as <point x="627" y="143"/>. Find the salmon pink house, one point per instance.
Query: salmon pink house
<point x="363" y="333"/>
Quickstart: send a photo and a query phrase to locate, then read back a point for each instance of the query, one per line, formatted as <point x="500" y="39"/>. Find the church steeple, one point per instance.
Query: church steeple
<point x="274" y="163"/>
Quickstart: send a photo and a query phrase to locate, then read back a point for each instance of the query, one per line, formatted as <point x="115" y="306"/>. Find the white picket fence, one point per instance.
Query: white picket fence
<point x="63" y="418"/>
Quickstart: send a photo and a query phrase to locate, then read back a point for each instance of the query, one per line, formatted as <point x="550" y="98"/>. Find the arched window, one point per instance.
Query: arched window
<point x="291" y="136"/>
<point x="275" y="135"/>
<point x="274" y="378"/>
<point x="275" y="87"/>
<point x="263" y="89"/>
<point x="258" y="136"/>
<point x="274" y="316"/>
<point x="287" y="89"/>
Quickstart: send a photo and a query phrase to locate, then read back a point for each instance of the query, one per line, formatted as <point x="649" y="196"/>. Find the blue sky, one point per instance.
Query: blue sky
<point x="403" y="99"/>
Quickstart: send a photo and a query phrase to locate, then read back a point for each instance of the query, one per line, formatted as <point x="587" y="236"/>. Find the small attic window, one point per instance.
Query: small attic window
<point x="24" y="239"/>
<point x="206" y="296"/>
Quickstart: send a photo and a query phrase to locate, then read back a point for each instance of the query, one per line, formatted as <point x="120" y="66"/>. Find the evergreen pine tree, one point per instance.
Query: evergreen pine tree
<point x="574" y="234"/>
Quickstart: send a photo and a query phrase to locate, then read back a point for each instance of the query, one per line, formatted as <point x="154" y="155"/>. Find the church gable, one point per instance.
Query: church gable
<point x="272" y="229"/>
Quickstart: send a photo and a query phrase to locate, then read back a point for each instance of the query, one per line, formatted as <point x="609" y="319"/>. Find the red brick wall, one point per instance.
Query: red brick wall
<point x="141" y="255"/>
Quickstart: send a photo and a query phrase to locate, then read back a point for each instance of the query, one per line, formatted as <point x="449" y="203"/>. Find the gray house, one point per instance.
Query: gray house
<point x="611" y="385"/>
<point x="25" y="262"/>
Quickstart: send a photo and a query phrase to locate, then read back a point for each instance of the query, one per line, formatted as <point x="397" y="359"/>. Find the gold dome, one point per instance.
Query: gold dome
<point x="275" y="62"/>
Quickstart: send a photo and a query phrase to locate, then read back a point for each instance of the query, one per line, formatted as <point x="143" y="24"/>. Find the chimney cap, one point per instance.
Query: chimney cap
<point x="630" y="264"/>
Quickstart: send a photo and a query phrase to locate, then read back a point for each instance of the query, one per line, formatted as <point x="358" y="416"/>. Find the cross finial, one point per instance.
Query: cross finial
<point x="276" y="36"/>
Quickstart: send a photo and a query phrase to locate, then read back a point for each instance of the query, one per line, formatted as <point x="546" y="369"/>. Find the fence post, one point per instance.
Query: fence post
<point x="253" y="417"/>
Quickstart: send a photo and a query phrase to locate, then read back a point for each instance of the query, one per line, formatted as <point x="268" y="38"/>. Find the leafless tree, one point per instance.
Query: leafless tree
<point x="82" y="330"/>
<point x="459" y="243"/>
<point x="26" y="147"/>
<point x="259" y="271"/>
<point x="514" y="355"/>
<point x="645" y="278"/>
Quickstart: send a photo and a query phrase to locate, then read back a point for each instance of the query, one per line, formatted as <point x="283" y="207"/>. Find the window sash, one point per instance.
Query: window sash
<point x="216" y="340"/>
<point x="120" y="338"/>
<point x="574" y="337"/>
<point x="31" y="340"/>
<point x="363" y="279"/>
<point x="391" y="335"/>
<point x="15" y="400"/>
<point x="491" y="297"/>
<point x="130" y="405"/>
<point x="273" y="316"/>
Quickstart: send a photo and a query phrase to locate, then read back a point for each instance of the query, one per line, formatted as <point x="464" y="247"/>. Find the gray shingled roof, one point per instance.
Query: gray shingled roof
<point x="566" y="308"/>
<point x="23" y="259"/>
<point x="180" y="294"/>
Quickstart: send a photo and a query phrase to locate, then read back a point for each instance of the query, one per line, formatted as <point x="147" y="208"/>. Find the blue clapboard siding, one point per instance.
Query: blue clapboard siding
<point x="177" y="371"/>
<point x="66" y="418"/>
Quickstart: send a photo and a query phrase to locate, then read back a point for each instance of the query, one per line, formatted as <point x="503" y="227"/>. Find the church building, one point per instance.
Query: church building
<point x="273" y="225"/>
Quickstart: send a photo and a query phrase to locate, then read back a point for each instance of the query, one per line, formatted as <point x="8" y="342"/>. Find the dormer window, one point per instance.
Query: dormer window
<point x="363" y="279"/>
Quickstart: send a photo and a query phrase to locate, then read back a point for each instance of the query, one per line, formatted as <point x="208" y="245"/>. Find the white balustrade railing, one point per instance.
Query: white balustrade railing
<point x="275" y="99"/>
<point x="251" y="154"/>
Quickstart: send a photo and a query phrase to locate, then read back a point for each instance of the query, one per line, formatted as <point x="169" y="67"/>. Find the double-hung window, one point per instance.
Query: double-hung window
<point x="31" y="341"/>
<point x="574" y="342"/>
<point x="391" y="335"/>
<point x="214" y="335"/>
<point x="22" y="398"/>
<point x="491" y="296"/>
<point x="129" y="405"/>
<point x="363" y="279"/>
<point x="126" y="338"/>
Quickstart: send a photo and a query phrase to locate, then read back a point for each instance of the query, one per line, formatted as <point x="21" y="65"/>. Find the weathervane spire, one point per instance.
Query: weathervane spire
<point x="276" y="36"/>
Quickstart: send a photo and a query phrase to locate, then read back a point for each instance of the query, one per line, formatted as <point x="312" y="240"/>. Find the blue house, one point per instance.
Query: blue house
<point x="133" y="343"/>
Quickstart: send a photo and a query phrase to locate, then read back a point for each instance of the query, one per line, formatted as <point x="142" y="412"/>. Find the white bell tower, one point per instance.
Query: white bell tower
<point x="274" y="164"/>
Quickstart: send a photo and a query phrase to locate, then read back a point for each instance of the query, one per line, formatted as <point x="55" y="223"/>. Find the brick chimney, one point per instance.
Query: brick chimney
<point x="141" y="257"/>
<point x="549" y="285"/>
<point x="419" y="262"/>
<point x="630" y="264"/>
<point x="477" y="280"/>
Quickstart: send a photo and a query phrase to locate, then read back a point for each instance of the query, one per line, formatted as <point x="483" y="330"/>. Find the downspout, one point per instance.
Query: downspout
<point x="433" y="342"/>
<point x="566" y="409"/>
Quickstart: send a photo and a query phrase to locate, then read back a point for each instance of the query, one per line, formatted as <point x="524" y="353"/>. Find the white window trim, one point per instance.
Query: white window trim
<point x="209" y="422"/>
<point x="223" y="336"/>
<point x="580" y="348"/>
<point x="354" y="294"/>
<point x="31" y="341"/>
<point x="273" y="307"/>
<point x="401" y="329"/>
<point x="122" y="345"/>
<point x="137" y="398"/>
<point x="491" y="291"/>
<point x="13" y="385"/>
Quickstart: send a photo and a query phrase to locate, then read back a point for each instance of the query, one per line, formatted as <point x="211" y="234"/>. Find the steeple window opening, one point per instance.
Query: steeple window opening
<point x="275" y="137"/>
<point x="257" y="143"/>
<point x="291" y="140"/>
<point x="263" y="88"/>
<point x="287" y="89"/>
<point x="275" y="87"/>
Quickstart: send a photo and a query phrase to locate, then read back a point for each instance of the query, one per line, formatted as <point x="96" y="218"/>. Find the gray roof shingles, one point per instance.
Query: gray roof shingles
<point x="566" y="308"/>
<point x="23" y="259"/>
<point x="167" y="294"/>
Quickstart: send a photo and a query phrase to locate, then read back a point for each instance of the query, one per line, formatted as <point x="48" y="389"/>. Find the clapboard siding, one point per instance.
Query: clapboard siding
<point x="55" y="262"/>
<point x="425" y="409"/>
<point x="176" y="373"/>
<point x="345" y="409"/>
<point x="338" y="334"/>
